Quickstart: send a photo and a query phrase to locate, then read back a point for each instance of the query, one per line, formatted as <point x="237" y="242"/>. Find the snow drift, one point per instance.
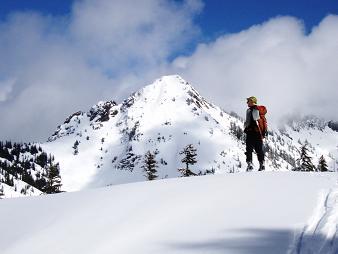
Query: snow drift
<point x="269" y="212"/>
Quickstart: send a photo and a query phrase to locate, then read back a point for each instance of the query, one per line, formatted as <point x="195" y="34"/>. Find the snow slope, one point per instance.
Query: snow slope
<point x="265" y="212"/>
<point x="320" y="235"/>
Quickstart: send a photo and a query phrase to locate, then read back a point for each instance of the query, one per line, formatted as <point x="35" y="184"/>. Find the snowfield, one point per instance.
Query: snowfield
<point x="256" y="212"/>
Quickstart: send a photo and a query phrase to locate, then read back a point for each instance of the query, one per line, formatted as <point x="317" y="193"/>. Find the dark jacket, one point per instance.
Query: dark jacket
<point x="250" y="124"/>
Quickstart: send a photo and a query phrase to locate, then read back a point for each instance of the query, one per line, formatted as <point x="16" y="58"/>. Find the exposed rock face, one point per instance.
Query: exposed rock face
<point x="102" y="111"/>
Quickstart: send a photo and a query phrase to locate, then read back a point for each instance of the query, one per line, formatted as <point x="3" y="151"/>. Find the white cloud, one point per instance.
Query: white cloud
<point x="6" y="87"/>
<point x="52" y="66"/>
<point x="289" y="71"/>
<point x="58" y="65"/>
<point x="116" y="34"/>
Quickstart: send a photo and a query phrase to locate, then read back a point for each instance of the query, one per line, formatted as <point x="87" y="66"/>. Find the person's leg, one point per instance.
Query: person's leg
<point x="260" y="152"/>
<point x="249" y="150"/>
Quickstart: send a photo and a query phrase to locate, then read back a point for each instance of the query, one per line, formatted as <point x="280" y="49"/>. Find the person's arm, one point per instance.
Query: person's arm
<point x="247" y="120"/>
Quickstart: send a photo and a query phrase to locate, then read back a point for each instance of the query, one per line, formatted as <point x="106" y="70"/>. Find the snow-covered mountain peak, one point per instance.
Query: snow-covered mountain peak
<point x="163" y="118"/>
<point x="107" y="144"/>
<point x="167" y="89"/>
<point x="166" y="98"/>
<point x="172" y="85"/>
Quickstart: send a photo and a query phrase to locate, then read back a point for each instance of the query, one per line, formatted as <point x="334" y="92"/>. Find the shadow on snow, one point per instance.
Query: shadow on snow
<point x="257" y="241"/>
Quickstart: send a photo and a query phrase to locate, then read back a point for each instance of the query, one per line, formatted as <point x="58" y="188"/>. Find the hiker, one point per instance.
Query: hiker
<point x="255" y="128"/>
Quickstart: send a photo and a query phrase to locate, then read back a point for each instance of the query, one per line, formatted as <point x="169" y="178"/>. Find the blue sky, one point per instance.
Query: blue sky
<point x="233" y="16"/>
<point x="59" y="7"/>
<point x="69" y="55"/>
<point x="218" y="16"/>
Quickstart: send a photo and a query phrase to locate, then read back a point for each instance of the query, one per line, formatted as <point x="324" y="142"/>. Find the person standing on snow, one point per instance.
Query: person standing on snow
<point x="255" y="128"/>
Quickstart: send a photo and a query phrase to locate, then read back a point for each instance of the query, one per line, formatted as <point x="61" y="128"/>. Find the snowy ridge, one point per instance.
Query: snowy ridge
<point x="107" y="144"/>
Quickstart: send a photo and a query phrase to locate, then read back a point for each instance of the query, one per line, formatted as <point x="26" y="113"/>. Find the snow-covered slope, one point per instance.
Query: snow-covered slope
<point x="106" y="145"/>
<point x="263" y="213"/>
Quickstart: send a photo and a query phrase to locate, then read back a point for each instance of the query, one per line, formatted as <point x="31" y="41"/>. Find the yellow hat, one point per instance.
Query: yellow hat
<point x="253" y="99"/>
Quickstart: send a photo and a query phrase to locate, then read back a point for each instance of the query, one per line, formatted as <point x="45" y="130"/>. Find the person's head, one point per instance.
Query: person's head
<point x="251" y="101"/>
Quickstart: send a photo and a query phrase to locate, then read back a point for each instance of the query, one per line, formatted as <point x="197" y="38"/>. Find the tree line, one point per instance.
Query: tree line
<point x="304" y="162"/>
<point x="21" y="162"/>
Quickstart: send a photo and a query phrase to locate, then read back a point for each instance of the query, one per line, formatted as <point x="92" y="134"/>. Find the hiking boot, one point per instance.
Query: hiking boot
<point x="261" y="166"/>
<point x="250" y="166"/>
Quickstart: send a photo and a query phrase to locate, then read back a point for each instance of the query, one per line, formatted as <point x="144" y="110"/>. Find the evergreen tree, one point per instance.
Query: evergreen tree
<point x="150" y="165"/>
<point x="42" y="159"/>
<point x="322" y="165"/>
<point x="27" y="177"/>
<point x="9" y="180"/>
<point x="40" y="183"/>
<point x="305" y="162"/>
<point x="5" y="153"/>
<point x="8" y="144"/>
<point x="76" y="147"/>
<point x="53" y="184"/>
<point x="237" y="131"/>
<point x="189" y="159"/>
<point x="34" y="150"/>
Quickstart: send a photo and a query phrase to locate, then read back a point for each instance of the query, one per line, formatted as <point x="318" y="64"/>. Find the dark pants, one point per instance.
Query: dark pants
<point x="254" y="142"/>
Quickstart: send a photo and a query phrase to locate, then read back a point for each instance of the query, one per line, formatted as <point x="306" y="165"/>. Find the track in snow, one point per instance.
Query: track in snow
<point x="320" y="235"/>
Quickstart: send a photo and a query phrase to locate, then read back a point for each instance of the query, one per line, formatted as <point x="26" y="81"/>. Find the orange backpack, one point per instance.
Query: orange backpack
<point x="262" y="123"/>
